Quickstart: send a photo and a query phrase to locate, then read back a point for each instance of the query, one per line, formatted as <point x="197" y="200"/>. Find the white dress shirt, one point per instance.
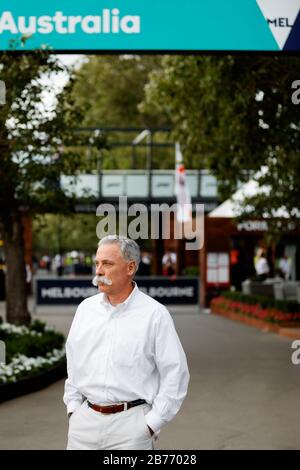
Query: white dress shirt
<point x="126" y="352"/>
<point x="262" y="266"/>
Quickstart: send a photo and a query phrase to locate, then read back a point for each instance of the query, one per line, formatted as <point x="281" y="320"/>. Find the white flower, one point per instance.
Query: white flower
<point x="22" y="365"/>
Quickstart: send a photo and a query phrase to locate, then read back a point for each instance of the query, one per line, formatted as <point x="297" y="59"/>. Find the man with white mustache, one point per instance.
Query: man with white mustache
<point x="127" y="371"/>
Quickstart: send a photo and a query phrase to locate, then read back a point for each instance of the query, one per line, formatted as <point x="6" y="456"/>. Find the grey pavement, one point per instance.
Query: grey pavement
<point x="243" y="394"/>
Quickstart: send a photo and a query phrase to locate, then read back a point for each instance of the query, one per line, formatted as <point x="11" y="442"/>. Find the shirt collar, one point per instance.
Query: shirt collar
<point x="104" y="300"/>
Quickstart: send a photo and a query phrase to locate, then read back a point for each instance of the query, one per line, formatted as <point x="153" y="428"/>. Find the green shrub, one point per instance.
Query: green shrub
<point x="36" y="340"/>
<point x="265" y="302"/>
<point x="191" y="271"/>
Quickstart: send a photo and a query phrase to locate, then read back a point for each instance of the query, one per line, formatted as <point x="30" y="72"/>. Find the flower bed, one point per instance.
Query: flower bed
<point x="23" y="366"/>
<point x="34" y="355"/>
<point x="259" y="308"/>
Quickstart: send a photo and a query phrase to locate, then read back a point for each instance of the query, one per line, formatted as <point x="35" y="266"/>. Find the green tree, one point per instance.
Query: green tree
<point x="57" y="233"/>
<point x="37" y="146"/>
<point x="233" y="114"/>
<point x="110" y="89"/>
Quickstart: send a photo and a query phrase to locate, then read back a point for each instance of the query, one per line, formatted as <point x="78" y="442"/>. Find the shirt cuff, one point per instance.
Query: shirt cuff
<point x="154" y="421"/>
<point x="73" y="405"/>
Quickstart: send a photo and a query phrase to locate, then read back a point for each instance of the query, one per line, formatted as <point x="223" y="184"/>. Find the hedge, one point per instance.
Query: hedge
<point x="264" y="302"/>
<point x="30" y="351"/>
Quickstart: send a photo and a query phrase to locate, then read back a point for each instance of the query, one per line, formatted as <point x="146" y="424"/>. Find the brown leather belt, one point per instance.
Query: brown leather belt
<point x="116" y="408"/>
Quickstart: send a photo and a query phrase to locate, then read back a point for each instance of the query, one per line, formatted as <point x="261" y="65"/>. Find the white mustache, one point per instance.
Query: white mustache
<point x="102" y="279"/>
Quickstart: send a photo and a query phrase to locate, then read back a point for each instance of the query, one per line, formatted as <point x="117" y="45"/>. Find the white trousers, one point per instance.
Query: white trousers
<point x="91" y="430"/>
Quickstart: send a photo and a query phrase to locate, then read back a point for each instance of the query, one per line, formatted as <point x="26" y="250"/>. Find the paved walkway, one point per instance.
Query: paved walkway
<point x="244" y="392"/>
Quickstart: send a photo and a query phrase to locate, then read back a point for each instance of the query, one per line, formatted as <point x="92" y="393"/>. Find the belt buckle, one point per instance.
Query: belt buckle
<point x="125" y="406"/>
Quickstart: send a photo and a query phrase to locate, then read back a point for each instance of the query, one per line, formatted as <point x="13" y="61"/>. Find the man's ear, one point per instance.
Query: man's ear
<point x="131" y="267"/>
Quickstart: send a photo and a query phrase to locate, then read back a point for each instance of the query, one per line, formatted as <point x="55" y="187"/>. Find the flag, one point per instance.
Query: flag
<point x="184" y="203"/>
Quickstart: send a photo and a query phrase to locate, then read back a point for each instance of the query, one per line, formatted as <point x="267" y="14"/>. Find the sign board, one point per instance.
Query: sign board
<point x="182" y="290"/>
<point x="135" y="25"/>
<point x="218" y="269"/>
<point x="63" y="291"/>
<point x="72" y="291"/>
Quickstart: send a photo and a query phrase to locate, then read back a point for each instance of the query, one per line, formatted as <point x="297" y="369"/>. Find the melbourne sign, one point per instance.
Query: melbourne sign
<point x="135" y="25"/>
<point x="73" y="291"/>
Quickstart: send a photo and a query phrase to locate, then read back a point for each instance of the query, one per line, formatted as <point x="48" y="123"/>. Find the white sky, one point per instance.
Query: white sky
<point x="57" y="81"/>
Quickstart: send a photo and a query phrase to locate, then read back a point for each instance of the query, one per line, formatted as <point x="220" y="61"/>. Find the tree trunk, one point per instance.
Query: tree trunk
<point x="15" y="280"/>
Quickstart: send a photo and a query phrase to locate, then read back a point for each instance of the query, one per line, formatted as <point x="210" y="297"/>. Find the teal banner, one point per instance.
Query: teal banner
<point x="156" y="25"/>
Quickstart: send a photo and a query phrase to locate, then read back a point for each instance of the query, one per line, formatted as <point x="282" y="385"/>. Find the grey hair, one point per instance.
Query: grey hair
<point x="129" y="248"/>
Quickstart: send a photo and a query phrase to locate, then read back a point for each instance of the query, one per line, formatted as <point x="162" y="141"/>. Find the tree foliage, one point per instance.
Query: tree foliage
<point x="56" y="233"/>
<point x="37" y="143"/>
<point x="109" y="89"/>
<point x="37" y="146"/>
<point x="235" y="113"/>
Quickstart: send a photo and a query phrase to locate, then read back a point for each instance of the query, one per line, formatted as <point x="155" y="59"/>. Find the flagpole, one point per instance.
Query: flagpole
<point x="178" y="155"/>
<point x="179" y="245"/>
